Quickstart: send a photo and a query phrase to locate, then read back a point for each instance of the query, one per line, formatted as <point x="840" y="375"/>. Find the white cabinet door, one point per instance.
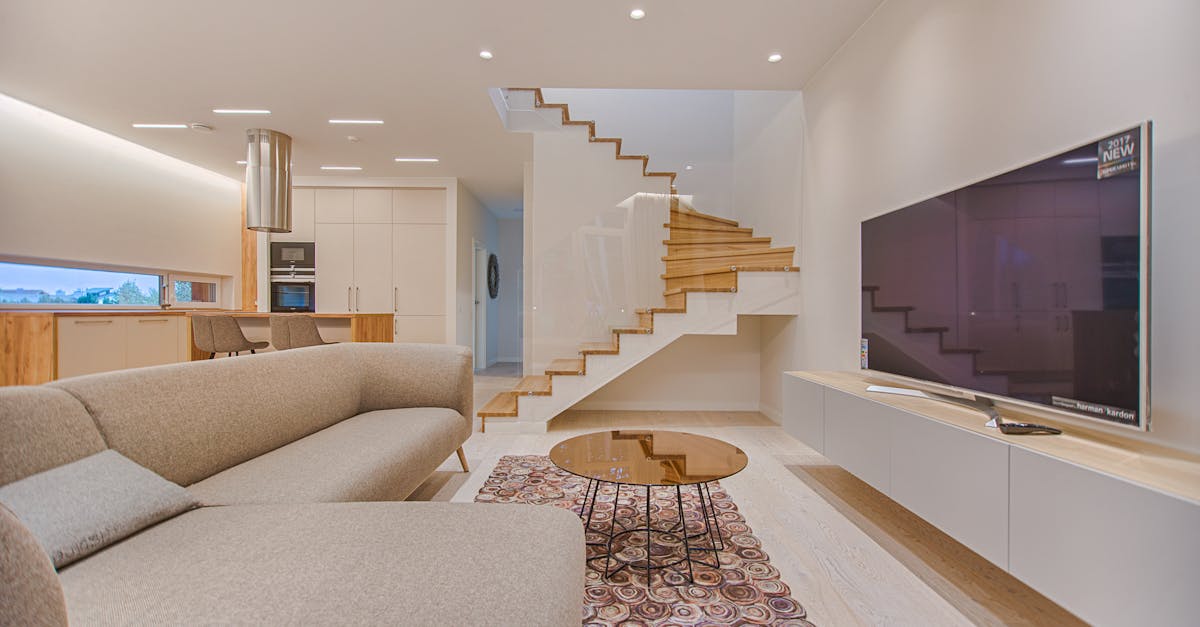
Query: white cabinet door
<point x="372" y="257"/>
<point x="422" y="329"/>
<point x="419" y="206"/>
<point x="372" y="206"/>
<point x="1111" y="552"/>
<point x="153" y="340"/>
<point x="88" y="344"/>
<point x="858" y="437"/>
<point x="419" y="269"/>
<point x="1079" y="267"/>
<point x="335" y="267"/>
<point x="334" y="205"/>
<point x="303" y="216"/>
<point x="955" y="479"/>
<point x="804" y="411"/>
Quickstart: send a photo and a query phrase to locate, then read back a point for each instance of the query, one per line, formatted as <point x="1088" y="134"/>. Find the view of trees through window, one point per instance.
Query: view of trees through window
<point x="48" y="285"/>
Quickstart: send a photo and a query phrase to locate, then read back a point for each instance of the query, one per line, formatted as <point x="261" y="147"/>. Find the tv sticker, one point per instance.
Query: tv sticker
<point x="1118" y="154"/>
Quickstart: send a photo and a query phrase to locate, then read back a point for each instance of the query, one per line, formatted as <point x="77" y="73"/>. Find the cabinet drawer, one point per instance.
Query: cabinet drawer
<point x="955" y="479"/>
<point x="152" y="341"/>
<point x="858" y="437"/>
<point x="804" y="411"/>
<point x="90" y="344"/>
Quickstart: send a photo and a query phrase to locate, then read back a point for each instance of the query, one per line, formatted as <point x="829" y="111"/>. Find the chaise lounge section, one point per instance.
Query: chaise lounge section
<point x="298" y="459"/>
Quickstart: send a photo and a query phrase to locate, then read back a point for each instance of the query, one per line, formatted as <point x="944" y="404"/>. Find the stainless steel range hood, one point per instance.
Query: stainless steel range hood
<point x="268" y="181"/>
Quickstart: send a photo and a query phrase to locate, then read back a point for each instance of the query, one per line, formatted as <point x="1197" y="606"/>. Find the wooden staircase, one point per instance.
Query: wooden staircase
<point x="941" y="332"/>
<point x="705" y="253"/>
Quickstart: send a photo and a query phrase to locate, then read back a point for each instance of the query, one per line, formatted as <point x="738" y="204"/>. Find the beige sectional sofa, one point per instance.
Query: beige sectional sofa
<point x="298" y="459"/>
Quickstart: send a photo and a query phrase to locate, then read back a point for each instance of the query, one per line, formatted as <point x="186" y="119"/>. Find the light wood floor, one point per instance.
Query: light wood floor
<point x="834" y="542"/>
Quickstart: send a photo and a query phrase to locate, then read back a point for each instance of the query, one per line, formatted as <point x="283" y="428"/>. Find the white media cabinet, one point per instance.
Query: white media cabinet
<point x="1105" y="526"/>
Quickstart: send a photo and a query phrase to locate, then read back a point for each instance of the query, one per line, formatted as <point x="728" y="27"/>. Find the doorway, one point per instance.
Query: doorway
<point x="480" y="293"/>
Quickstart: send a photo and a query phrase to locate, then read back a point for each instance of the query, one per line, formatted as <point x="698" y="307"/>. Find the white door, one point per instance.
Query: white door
<point x="373" y="268"/>
<point x="335" y="267"/>
<point x="481" y="297"/>
<point x="419" y="282"/>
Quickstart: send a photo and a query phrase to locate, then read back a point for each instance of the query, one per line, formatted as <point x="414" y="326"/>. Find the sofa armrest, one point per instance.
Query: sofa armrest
<point x="416" y="375"/>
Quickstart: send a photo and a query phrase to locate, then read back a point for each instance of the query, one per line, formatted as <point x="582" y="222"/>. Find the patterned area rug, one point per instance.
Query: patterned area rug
<point x="745" y="591"/>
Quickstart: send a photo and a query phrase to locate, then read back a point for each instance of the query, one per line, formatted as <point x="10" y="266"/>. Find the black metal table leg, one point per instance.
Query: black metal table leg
<point x="687" y="550"/>
<point x="648" y="543"/>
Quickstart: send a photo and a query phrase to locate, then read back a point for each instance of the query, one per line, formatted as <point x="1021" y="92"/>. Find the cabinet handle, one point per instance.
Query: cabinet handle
<point x="349" y="307"/>
<point x="395" y="327"/>
<point x="395" y="299"/>
<point x="154" y="320"/>
<point x="1016" y="296"/>
<point x="356" y="299"/>
<point x="92" y="321"/>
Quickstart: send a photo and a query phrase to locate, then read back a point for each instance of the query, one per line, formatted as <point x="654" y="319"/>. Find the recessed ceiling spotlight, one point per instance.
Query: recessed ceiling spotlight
<point x="775" y="58"/>
<point x="688" y="167"/>
<point x="242" y="111"/>
<point x="350" y="168"/>
<point x="416" y="160"/>
<point x="637" y="14"/>
<point x="241" y="163"/>
<point x="157" y="125"/>
<point x="356" y="121"/>
<point x="485" y="54"/>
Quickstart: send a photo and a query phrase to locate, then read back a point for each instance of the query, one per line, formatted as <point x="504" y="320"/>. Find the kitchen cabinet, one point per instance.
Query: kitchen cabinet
<point x="372" y="256"/>
<point x="335" y="268"/>
<point x="90" y="344"/>
<point x="304" y="216"/>
<point x="372" y="206"/>
<point x="419" y="206"/>
<point x="419" y="269"/>
<point x="334" y="206"/>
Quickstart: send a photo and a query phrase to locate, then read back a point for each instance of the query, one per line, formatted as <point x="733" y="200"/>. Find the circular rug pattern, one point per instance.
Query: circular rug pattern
<point x="746" y="590"/>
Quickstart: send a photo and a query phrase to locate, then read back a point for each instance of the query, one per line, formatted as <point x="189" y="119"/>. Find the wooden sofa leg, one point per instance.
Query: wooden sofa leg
<point x="462" y="459"/>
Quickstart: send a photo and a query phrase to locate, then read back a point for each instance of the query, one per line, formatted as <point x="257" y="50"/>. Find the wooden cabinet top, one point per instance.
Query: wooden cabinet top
<point x="179" y="312"/>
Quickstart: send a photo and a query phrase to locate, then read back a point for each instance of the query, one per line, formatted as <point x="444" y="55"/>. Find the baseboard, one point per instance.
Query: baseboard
<point x="509" y="359"/>
<point x="775" y="414"/>
<point x="666" y="406"/>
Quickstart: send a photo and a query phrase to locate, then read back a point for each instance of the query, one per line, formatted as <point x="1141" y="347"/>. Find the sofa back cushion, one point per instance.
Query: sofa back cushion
<point x="40" y="428"/>
<point x="189" y="421"/>
<point x="30" y="593"/>
<point x="79" y="508"/>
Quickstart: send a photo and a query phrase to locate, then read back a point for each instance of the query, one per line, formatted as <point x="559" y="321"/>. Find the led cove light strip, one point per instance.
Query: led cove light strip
<point x="340" y="167"/>
<point x="242" y="111"/>
<point x="145" y="125"/>
<point x="416" y="160"/>
<point x="356" y="121"/>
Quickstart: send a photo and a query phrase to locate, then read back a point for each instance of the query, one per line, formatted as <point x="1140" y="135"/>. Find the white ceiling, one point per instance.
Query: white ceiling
<point x="413" y="64"/>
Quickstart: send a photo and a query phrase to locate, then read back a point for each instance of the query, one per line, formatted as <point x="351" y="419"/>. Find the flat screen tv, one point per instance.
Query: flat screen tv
<point x="1032" y="285"/>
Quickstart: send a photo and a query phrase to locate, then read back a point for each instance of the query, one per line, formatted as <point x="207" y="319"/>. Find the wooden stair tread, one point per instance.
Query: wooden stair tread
<point x="727" y="269"/>
<point x="663" y="310"/>
<point x="717" y="240"/>
<point x="598" y="348"/>
<point x="633" y="330"/>
<point x="502" y="405"/>
<point x="703" y="216"/>
<point x="729" y="253"/>
<point x="566" y="367"/>
<point x="714" y="228"/>
<point x="533" y="385"/>
<point x="685" y="290"/>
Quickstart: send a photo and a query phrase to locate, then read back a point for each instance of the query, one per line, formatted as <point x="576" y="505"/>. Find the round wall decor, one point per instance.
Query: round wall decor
<point x="493" y="277"/>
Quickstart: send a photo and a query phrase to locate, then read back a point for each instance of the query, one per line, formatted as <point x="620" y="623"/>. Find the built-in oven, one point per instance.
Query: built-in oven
<point x="293" y="276"/>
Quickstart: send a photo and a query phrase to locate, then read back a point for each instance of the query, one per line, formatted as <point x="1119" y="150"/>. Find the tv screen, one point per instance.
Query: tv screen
<point x="1030" y="285"/>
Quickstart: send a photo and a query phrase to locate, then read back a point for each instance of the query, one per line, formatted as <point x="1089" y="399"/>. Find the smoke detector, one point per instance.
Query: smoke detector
<point x="200" y="127"/>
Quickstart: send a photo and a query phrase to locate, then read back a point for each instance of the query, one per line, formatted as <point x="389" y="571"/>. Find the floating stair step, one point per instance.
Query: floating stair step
<point x="692" y="213"/>
<point x="663" y="310"/>
<point x="677" y="264"/>
<point x="643" y="158"/>
<point x="616" y="141"/>
<point x="677" y="232"/>
<point x="502" y="405"/>
<point x="717" y="239"/>
<point x="598" y="348"/>
<point x="724" y="281"/>
<point x="534" y="385"/>
<point x="670" y="175"/>
<point x="633" y="330"/>
<point x="790" y="250"/>
<point x="566" y="367"/>
<point x="645" y="319"/>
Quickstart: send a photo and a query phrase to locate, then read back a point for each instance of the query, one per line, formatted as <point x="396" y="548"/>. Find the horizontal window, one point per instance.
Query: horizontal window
<point x="28" y="284"/>
<point x="190" y="291"/>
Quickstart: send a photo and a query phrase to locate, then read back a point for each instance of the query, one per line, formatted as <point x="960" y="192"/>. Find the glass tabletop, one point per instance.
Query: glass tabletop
<point x="641" y="457"/>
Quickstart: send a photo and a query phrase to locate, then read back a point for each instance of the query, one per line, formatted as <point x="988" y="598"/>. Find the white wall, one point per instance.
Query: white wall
<point x="696" y="372"/>
<point x="768" y="136"/>
<point x="478" y="224"/>
<point x="69" y="192"/>
<point x="930" y="95"/>
<point x="674" y="127"/>
<point x="511" y="238"/>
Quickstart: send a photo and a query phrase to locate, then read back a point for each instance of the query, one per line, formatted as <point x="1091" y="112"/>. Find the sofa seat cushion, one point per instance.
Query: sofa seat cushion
<point x="377" y="456"/>
<point x="339" y="563"/>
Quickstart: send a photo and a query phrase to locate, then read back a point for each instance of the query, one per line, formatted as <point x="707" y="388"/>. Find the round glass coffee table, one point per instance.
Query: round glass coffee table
<point x="650" y="460"/>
